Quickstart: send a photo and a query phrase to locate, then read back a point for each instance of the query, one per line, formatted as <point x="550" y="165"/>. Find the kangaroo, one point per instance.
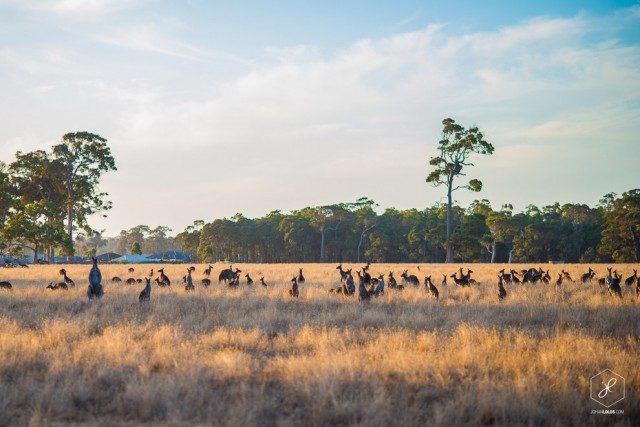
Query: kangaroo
<point x="5" y="285"/>
<point x="614" y="284"/>
<point x="559" y="280"/>
<point x="188" y="281"/>
<point x="588" y="276"/>
<point x="95" y="290"/>
<point x="546" y="277"/>
<point x="460" y="282"/>
<point x="506" y="277"/>
<point x="294" y="288"/>
<point x="164" y="278"/>
<point x="249" y="279"/>
<point x="131" y="270"/>
<point x="235" y="282"/>
<point x="66" y="278"/>
<point x="431" y="287"/>
<point x="444" y="280"/>
<point x="228" y="274"/>
<point x="207" y="271"/>
<point x="502" y="292"/>
<point x="205" y="282"/>
<point x="349" y="286"/>
<point x="130" y="281"/>
<point x="58" y="286"/>
<point x="514" y="276"/>
<point x="343" y="273"/>
<point x="379" y="288"/>
<point x="363" y="292"/>
<point x="632" y="279"/>
<point x="300" y="277"/>
<point x="392" y="280"/>
<point x="263" y="282"/>
<point x="151" y="273"/>
<point x="116" y="279"/>
<point x="145" y="295"/>
<point x="410" y="278"/>
<point x="567" y="275"/>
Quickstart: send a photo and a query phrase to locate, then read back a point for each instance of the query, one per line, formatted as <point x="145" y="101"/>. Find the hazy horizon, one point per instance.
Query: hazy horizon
<point x="212" y="110"/>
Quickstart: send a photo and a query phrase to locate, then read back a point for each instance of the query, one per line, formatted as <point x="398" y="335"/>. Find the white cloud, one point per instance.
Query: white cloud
<point x="71" y="7"/>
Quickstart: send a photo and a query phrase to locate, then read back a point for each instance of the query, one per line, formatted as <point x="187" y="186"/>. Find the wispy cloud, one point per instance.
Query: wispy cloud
<point x="72" y="7"/>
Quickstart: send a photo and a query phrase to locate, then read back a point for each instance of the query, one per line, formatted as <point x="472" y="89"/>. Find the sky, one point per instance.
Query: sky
<point x="214" y="108"/>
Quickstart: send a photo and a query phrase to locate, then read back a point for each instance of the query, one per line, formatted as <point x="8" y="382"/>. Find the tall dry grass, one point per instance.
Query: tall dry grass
<point x="254" y="356"/>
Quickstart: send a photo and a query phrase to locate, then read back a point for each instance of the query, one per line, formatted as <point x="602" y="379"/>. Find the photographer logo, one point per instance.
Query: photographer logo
<point x="607" y="388"/>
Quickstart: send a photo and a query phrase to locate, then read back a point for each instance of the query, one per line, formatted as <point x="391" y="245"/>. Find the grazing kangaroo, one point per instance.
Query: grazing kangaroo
<point x="205" y="282"/>
<point x="207" y="271"/>
<point x="164" y="278"/>
<point x="188" y="282"/>
<point x="249" y="279"/>
<point x="460" y="282"/>
<point x="502" y="292"/>
<point x="95" y="290"/>
<point x="235" y="282"/>
<point x="300" y="277"/>
<point x="130" y="281"/>
<point x="228" y="274"/>
<point x="58" y="286"/>
<point x="431" y="287"/>
<point x="192" y="268"/>
<point x="116" y="279"/>
<point x="263" y="282"/>
<point x="343" y="273"/>
<point x="632" y="279"/>
<point x="5" y="285"/>
<point x="294" y="287"/>
<point x="392" y="280"/>
<point x="131" y="270"/>
<point x="410" y="278"/>
<point x="586" y="277"/>
<point x="145" y="295"/>
<point x="66" y="278"/>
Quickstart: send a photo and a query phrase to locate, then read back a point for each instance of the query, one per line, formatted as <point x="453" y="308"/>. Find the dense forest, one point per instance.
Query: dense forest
<point x="357" y="232"/>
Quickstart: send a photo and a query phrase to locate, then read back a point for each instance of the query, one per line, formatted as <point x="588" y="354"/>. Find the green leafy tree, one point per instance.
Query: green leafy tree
<point x="85" y="157"/>
<point x="136" y="249"/>
<point x="455" y="147"/>
<point x="621" y="233"/>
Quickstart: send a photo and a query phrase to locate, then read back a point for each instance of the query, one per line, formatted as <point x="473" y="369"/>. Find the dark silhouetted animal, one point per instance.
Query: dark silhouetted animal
<point x="502" y="292"/>
<point x="116" y="279"/>
<point x="431" y="287"/>
<point x="588" y="276"/>
<point x="300" y="277"/>
<point x="207" y="271"/>
<point x="263" y="282"/>
<point x="5" y="285"/>
<point x="249" y="279"/>
<point x="95" y="290"/>
<point x="294" y="288"/>
<point x="145" y="294"/>
<point x="632" y="279"/>
<point x="410" y="278"/>
<point x="205" y="282"/>
<point x="58" y="286"/>
<point x="66" y="278"/>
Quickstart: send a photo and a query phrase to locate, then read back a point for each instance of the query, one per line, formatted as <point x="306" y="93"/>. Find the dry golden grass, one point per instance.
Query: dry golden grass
<point x="254" y="356"/>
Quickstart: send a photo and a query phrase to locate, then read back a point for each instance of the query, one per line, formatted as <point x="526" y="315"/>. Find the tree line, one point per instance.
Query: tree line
<point x="355" y="232"/>
<point x="47" y="197"/>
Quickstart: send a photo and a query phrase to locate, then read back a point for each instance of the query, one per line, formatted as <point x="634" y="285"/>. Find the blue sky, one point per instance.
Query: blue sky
<point x="256" y="106"/>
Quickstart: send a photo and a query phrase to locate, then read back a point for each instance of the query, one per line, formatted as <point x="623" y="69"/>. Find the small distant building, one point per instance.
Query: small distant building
<point x="133" y="259"/>
<point x="172" y="256"/>
<point x="107" y="257"/>
<point x="69" y="260"/>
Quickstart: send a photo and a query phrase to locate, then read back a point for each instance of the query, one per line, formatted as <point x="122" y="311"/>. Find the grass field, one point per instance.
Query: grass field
<point x="254" y="356"/>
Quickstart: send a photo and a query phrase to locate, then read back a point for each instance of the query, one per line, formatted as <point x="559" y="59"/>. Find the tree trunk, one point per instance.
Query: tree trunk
<point x="449" y="226"/>
<point x="636" y="241"/>
<point x="70" y="204"/>
<point x="493" y="252"/>
<point x="322" y="244"/>
<point x="35" y="254"/>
